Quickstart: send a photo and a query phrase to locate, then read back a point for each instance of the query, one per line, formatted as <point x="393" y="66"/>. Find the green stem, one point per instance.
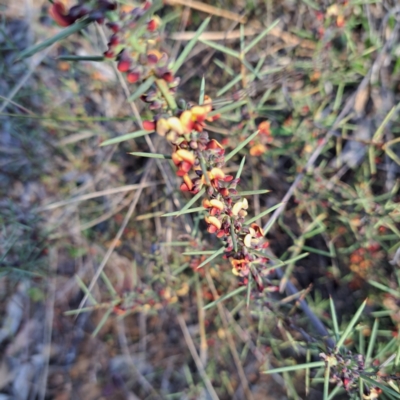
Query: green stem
<point x="161" y="84"/>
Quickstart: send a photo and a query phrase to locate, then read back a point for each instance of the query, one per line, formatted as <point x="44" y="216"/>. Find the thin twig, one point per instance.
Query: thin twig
<point x="231" y="342"/>
<point x="35" y="63"/>
<point x="48" y="324"/>
<point x="119" y="233"/>
<point x="200" y="6"/>
<point x="288" y="38"/>
<point x="196" y="358"/>
<point x="93" y="195"/>
<point x="125" y="349"/>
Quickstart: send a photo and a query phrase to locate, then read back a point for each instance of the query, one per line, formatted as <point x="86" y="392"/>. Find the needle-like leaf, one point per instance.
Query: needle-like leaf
<point x="76" y="27"/>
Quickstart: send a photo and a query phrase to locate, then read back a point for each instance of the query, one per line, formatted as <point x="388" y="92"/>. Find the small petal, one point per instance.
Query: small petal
<point x="168" y="77"/>
<point x="58" y="12"/>
<point x="237" y="207"/>
<point x="186" y="120"/>
<point x="188" y="181"/>
<point x="242" y="213"/>
<point x="213" y="144"/>
<point x="162" y="126"/>
<point x="199" y="113"/>
<point x="153" y="56"/>
<point x="247" y="240"/>
<point x="185" y="155"/>
<point x="184" y="187"/>
<point x="213" y="221"/>
<point x="224" y="192"/>
<point x="221" y="234"/>
<point x="152" y="25"/>
<point x="176" y="125"/>
<point x="184" y="167"/>
<point x="207" y="203"/>
<point x="258" y="230"/>
<point x="216" y="173"/>
<point x="149" y="125"/>
<point x="217" y="204"/>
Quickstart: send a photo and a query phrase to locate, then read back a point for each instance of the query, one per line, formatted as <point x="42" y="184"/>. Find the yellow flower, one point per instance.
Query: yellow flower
<point x="214" y="221"/>
<point x="176" y="125"/>
<point x="239" y="206"/>
<point x="162" y="127"/>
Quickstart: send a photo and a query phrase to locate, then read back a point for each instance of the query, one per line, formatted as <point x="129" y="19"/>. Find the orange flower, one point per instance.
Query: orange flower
<point x="215" y="206"/>
<point x="188" y="182"/>
<point x="199" y="113"/>
<point x="183" y="155"/>
<point x="213" y="145"/>
<point x="214" y="224"/>
<point x="216" y="173"/>
<point x="258" y="150"/>
<point x="239" y="207"/>
<point x="240" y="266"/>
<point x="186" y="120"/>
<point x="184" y="160"/>
<point x="264" y="128"/>
<point x="214" y="176"/>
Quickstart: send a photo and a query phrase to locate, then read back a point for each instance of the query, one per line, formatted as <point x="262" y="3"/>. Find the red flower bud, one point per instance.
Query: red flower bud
<point x="149" y="125"/>
<point x="146" y="5"/>
<point x="58" y="12"/>
<point x="114" y="40"/>
<point x="124" y="65"/>
<point x="132" y="77"/>
<point x="168" y="77"/>
<point x="113" y="26"/>
<point x="152" y="25"/>
<point x="109" y="54"/>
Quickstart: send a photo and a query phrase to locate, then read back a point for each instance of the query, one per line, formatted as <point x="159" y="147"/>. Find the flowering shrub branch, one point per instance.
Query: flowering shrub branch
<point x="198" y="158"/>
<point x="134" y="44"/>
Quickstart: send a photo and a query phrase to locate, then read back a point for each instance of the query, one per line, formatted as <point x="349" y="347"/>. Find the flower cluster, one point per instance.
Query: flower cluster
<point x="95" y="10"/>
<point x="136" y="50"/>
<point x="346" y="369"/>
<point x="200" y="161"/>
<point x="133" y="45"/>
